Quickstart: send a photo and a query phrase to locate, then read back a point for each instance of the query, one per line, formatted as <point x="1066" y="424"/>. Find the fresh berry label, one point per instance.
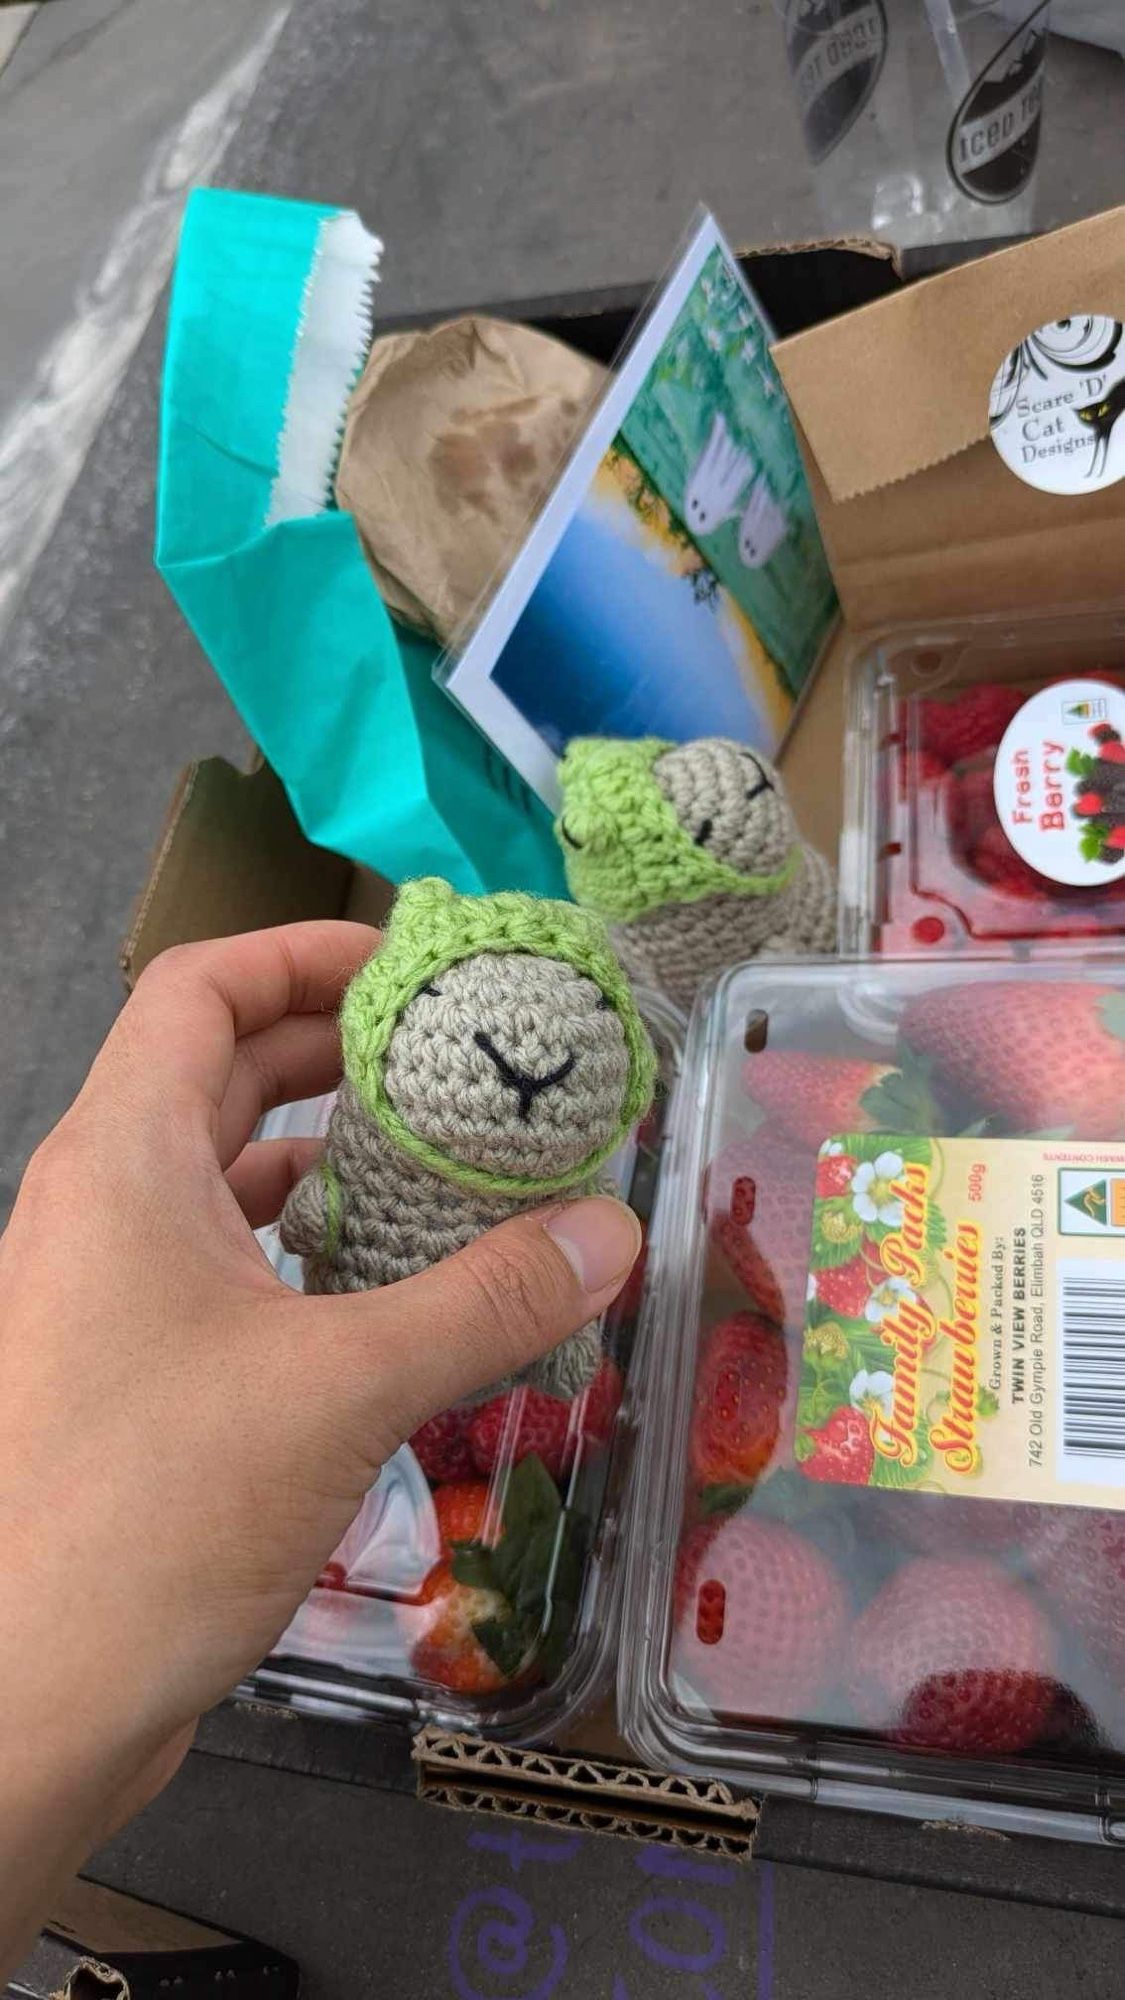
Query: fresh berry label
<point x="965" y="1327"/>
<point x="1059" y="782"/>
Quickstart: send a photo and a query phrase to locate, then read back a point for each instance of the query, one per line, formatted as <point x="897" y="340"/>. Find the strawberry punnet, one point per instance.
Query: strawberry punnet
<point x="759" y="1616"/>
<point x="953" y="1654"/>
<point x="740" y="1385"/>
<point x="1035" y="1057"/>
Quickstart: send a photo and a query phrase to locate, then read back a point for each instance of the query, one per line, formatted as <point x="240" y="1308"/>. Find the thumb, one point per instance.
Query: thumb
<point x="506" y="1299"/>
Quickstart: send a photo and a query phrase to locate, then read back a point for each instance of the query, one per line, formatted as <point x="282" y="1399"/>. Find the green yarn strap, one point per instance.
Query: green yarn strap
<point x="333" y="1208"/>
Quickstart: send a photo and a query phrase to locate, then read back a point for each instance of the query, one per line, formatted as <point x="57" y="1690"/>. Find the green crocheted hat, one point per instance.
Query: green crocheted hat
<point x="625" y="850"/>
<point x="430" y="928"/>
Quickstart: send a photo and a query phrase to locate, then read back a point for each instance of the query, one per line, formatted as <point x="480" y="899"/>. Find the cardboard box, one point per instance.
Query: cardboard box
<point x="101" y="1945"/>
<point x="231" y="858"/>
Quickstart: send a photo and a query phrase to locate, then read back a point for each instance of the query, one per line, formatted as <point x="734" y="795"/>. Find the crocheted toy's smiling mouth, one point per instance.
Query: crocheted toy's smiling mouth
<point x="568" y="836"/>
<point x="527" y="1088"/>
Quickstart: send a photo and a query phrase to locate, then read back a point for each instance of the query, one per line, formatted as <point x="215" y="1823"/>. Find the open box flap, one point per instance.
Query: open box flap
<point x="892" y="409"/>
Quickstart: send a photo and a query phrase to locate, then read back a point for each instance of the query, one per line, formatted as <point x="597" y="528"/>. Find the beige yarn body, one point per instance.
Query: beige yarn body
<point x="396" y="1219"/>
<point x="681" y="946"/>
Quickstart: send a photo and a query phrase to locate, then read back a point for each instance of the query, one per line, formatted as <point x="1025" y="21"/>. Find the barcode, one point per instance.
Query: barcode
<point x="1092" y="1333"/>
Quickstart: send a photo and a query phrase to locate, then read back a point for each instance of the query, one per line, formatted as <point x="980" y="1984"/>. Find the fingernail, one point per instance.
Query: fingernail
<point x="599" y="1239"/>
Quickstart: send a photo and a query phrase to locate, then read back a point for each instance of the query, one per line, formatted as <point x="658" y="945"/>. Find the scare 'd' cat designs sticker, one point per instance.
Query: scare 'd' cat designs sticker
<point x="994" y="138"/>
<point x="836" y="50"/>
<point x="1057" y="402"/>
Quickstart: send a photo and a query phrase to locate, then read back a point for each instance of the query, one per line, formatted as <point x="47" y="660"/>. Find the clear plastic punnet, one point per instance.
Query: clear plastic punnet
<point x="985" y="788"/>
<point x="877" y="1532"/>
<point x="478" y="1588"/>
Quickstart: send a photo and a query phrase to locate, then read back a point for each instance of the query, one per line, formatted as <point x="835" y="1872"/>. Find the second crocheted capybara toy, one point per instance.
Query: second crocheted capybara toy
<point x="691" y="854"/>
<point x="493" y="1056"/>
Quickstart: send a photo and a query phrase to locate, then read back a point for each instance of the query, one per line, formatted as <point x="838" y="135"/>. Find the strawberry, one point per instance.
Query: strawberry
<point x="908" y="774"/>
<point x="517" y="1423"/>
<point x="740" y="1383"/>
<point x="1083" y="1576"/>
<point x="759" y="1614"/>
<point x="594" y="1411"/>
<point x="627" y="1304"/>
<point x="846" y="1288"/>
<point x="1036" y="1056"/>
<point x="772" y="1183"/>
<point x="466" y="1512"/>
<point x="1112" y="752"/>
<point x="842" y="1451"/>
<point x="995" y="860"/>
<point x="972" y="720"/>
<point x="834" y="1175"/>
<point x="442" y="1447"/>
<point x="938" y="1524"/>
<point x="813" y="1097"/>
<point x="447" y="1649"/>
<point x="953" y="1654"/>
<point x="974" y="806"/>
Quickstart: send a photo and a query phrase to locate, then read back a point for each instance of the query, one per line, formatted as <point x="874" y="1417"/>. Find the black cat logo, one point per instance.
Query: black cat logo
<point x="1101" y="417"/>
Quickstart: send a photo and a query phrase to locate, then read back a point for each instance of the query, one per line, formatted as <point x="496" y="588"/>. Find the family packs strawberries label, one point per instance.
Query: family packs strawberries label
<point x="1059" y="782"/>
<point x="965" y="1325"/>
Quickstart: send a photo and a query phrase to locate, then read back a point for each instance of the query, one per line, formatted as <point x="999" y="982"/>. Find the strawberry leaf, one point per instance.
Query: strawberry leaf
<point x="1111" y="1008"/>
<point x="903" y="1101"/>
<point x="1092" y="839"/>
<point x="988" y="1402"/>
<point x="474" y="1564"/>
<point x="505" y="1643"/>
<point x="724" y="1499"/>
<point x="1080" y="764"/>
<point x="531" y="1499"/>
<point x="937" y="1231"/>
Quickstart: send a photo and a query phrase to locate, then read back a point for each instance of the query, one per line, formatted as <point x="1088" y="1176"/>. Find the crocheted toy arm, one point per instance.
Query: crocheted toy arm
<point x="311" y="1216"/>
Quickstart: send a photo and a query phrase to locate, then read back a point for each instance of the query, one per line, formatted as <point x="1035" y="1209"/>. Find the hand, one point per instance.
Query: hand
<point x="183" y="1439"/>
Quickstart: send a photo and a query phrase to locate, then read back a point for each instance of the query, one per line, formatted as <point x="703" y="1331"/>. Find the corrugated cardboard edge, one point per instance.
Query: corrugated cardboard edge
<point x="469" y="1775"/>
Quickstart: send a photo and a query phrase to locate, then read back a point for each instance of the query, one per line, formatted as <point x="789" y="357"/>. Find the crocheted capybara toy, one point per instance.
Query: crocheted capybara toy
<point x="493" y="1057"/>
<point x="691" y="854"/>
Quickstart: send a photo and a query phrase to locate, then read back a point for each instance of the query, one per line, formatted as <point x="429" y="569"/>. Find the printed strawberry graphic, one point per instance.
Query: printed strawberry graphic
<point x="841" y="1450"/>
<point x="1089" y="804"/>
<point x="770" y="1183"/>
<point x="442" y="1447"/>
<point x="1082" y="1573"/>
<point x="517" y="1423"/>
<point x="448" y="1650"/>
<point x="1034" y="1056"/>
<point x="965" y="723"/>
<point x="466" y="1512"/>
<point x="834" y="1175"/>
<point x="759" y="1614"/>
<point x="846" y="1289"/>
<point x="953" y="1654"/>
<point x="740" y="1385"/>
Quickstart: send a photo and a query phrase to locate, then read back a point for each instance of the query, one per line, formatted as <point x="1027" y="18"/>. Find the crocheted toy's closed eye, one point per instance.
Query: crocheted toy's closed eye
<point x="495" y="1040"/>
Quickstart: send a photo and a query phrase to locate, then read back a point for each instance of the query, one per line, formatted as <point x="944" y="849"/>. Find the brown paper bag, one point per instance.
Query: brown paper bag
<point x="920" y="515"/>
<point x="453" y="441"/>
